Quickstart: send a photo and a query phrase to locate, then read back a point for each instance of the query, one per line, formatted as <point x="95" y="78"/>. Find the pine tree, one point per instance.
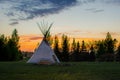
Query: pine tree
<point x="110" y="44"/>
<point x="110" y="47"/>
<point x="77" y="51"/>
<point x="73" y="45"/>
<point x="73" y="50"/>
<point x="118" y="54"/>
<point x="101" y="48"/>
<point x="65" y="48"/>
<point x="84" y="55"/>
<point x="92" y="54"/>
<point x="13" y="46"/>
<point x="83" y="47"/>
<point x="56" y="47"/>
<point x="3" y="49"/>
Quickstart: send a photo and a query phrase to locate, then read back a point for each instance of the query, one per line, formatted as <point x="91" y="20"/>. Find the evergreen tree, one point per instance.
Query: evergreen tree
<point x="78" y="46"/>
<point x="84" y="55"/>
<point x="92" y="54"/>
<point x="101" y="48"/>
<point x="110" y="44"/>
<point x="77" y="51"/>
<point x="56" y="47"/>
<point x="65" y="48"/>
<point x="13" y="46"/>
<point x="83" y="47"/>
<point x="73" y="51"/>
<point x="118" y="54"/>
<point x="110" y="47"/>
<point x="3" y="49"/>
<point x="73" y="45"/>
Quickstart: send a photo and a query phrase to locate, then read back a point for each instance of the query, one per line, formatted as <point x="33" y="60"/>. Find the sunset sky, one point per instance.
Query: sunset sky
<point x="76" y="18"/>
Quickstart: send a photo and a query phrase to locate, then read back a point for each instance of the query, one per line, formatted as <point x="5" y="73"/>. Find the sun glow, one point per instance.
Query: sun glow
<point x="30" y="42"/>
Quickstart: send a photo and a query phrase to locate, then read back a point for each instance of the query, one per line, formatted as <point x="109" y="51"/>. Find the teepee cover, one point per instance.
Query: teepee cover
<point x="44" y="53"/>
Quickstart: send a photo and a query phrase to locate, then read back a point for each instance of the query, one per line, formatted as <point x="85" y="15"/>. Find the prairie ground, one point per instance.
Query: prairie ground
<point x="64" y="71"/>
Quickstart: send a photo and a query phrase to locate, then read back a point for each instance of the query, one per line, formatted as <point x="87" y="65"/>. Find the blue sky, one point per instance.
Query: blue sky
<point x="76" y="18"/>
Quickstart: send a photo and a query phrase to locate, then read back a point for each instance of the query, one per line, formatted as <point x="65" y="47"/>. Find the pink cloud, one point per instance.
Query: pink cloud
<point x="35" y="38"/>
<point x="30" y="37"/>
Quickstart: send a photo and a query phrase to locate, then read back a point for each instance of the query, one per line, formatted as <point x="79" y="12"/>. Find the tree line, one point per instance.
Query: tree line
<point x="9" y="47"/>
<point x="102" y="50"/>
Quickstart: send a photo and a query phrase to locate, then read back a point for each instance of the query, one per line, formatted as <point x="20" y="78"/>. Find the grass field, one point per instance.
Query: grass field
<point x="65" y="71"/>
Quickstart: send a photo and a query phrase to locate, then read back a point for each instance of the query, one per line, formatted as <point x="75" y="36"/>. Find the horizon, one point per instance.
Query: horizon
<point x="29" y="43"/>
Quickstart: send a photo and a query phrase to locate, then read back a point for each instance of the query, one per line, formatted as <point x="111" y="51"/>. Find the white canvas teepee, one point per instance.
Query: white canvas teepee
<point x="44" y="53"/>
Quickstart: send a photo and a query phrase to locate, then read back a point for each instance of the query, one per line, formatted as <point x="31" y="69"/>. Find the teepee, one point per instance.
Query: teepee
<point x="44" y="53"/>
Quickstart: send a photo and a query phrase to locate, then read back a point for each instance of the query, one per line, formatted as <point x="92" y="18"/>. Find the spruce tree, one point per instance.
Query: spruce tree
<point x="77" y="51"/>
<point x="84" y="55"/>
<point x="3" y="48"/>
<point x="13" y="46"/>
<point x="92" y="56"/>
<point x="118" y="54"/>
<point x="110" y="44"/>
<point x="56" y="47"/>
<point x="65" y="48"/>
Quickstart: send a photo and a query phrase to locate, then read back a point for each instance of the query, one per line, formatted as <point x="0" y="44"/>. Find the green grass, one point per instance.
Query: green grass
<point x="65" y="71"/>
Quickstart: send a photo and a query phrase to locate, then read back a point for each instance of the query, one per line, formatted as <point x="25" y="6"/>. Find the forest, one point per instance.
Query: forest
<point x="102" y="50"/>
